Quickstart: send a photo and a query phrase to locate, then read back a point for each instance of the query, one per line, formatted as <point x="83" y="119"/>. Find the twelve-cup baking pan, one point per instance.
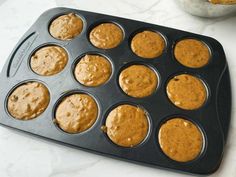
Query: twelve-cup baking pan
<point x="212" y="118"/>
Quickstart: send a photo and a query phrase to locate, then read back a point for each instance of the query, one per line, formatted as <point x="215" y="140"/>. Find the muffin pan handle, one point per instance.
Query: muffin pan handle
<point x="224" y="101"/>
<point x="18" y="54"/>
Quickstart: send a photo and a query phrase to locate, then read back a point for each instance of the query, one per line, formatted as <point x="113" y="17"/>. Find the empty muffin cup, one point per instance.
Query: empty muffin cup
<point x="180" y="140"/>
<point x="186" y="91"/>
<point x="93" y="70"/>
<point x="28" y="100"/>
<point x="76" y="113"/>
<point x="49" y="60"/>
<point x="148" y="44"/>
<point x="138" y="81"/>
<point x="66" y="27"/>
<point x="106" y="36"/>
<point x="127" y="125"/>
<point x="192" y="53"/>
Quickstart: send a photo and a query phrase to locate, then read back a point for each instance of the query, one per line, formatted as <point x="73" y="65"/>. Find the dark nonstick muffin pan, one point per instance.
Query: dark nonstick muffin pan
<point x="213" y="118"/>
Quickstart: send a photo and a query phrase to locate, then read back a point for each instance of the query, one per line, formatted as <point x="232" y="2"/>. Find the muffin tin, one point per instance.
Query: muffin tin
<point x="213" y="118"/>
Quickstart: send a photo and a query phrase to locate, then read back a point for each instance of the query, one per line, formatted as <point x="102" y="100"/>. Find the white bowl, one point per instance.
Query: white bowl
<point x="203" y="8"/>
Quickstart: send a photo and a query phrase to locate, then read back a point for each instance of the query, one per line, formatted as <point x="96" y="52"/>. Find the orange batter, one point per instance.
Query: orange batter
<point x="138" y="81"/>
<point x="28" y="101"/>
<point x="66" y="27"/>
<point x="93" y="70"/>
<point x="127" y="125"/>
<point x="148" y="44"/>
<point x="49" y="60"/>
<point x="106" y="36"/>
<point x="186" y="92"/>
<point x="180" y="140"/>
<point x="223" y="1"/>
<point x="76" y="113"/>
<point x="192" y="53"/>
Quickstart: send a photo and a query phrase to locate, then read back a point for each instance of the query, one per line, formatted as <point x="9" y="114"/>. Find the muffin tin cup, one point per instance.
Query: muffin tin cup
<point x="213" y="118"/>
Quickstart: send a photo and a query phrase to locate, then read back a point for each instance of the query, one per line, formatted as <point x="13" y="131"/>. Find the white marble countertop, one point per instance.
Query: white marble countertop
<point x="23" y="155"/>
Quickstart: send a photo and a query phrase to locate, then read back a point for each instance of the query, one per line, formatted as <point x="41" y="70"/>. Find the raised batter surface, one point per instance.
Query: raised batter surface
<point x="186" y="92"/>
<point x="127" y="125"/>
<point x="138" y="81"/>
<point x="192" y="53"/>
<point x="180" y="140"/>
<point x="49" y="60"/>
<point x="66" y="27"/>
<point x="106" y="36"/>
<point x="28" y="100"/>
<point x="148" y="44"/>
<point x="93" y="70"/>
<point x="76" y="113"/>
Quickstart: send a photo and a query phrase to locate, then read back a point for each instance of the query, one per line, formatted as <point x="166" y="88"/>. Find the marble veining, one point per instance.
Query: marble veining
<point x="23" y="155"/>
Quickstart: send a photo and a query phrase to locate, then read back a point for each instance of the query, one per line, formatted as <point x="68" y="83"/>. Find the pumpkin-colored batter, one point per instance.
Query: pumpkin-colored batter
<point x="106" y="36"/>
<point x="223" y="2"/>
<point x="148" y="44"/>
<point x="127" y="125"/>
<point x="76" y="113"/>
<point x="186" y="92"/>
<point x="49" y="60"/>
<point x="138" y="81"/>
<point x="192" y="53"/>
<point x="93" y="70"/>
<point x="28" y="101"/>
<point x="66" y="27"/>
<point x="180" y="140"/>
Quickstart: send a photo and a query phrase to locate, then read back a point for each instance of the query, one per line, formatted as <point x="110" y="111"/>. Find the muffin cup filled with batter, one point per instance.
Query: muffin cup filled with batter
<point x="187" y="92"/>
<point x="138" y="81"/>
<point x="76" y="112"/>
<point x="180" y="139"/>
<point x="192" y="53"/>
<point x="148" y="44"/>
<point x="28" y="100"/>
<point x="106" y="35"/>
<point x="93" y="70"/>
<point x="48" y="60"/>
<point x="127" y="125"/>
<point x="66" y="27"/>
